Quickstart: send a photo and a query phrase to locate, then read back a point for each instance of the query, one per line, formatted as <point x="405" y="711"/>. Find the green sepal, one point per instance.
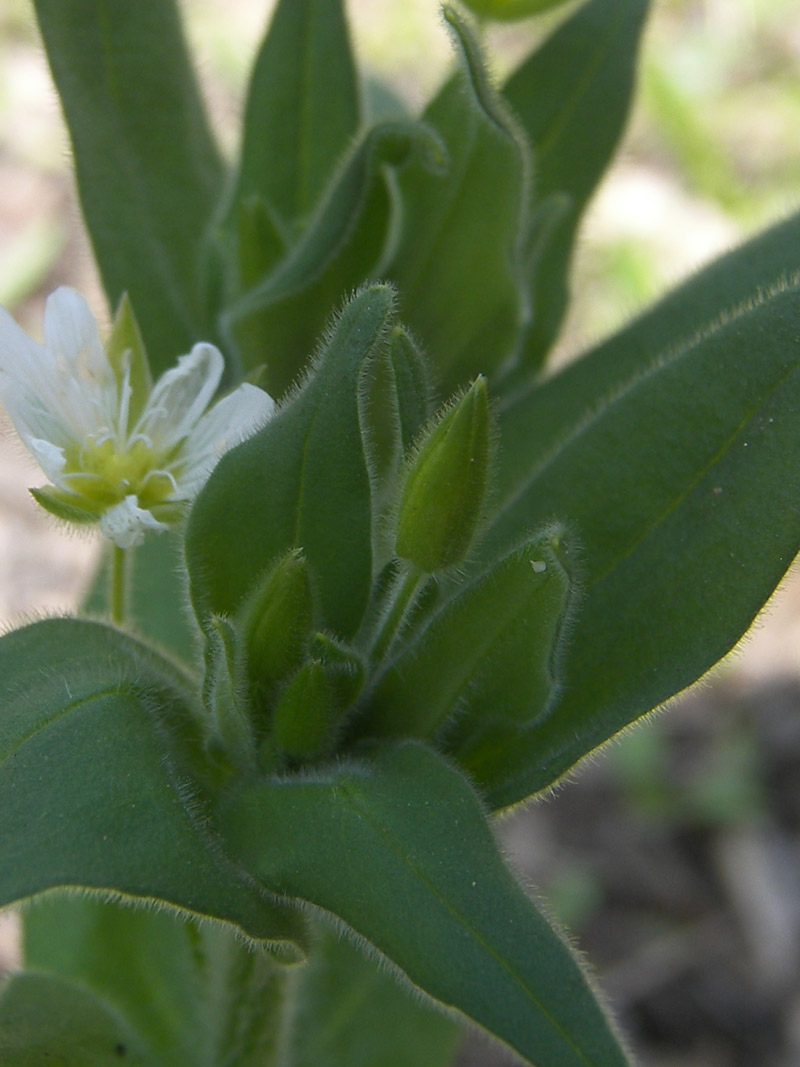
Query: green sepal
<point x="444" y="494"/>
<point x="128" y="356"/>
<point x="488" y="658"/>
<point x="302" y="481"/>
<point x="225" y="695"/>
<point x="60" y="503"/>
<point x="276" y="625"/>
<point x="395" y="404"/>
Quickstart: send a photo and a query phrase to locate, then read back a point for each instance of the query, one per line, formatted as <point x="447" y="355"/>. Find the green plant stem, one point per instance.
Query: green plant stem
<point x="404" y="593"/>
<point x="119" y="582"/>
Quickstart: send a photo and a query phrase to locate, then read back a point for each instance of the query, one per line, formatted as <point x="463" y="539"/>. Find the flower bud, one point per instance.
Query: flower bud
<point x="445" y="490"/>
<point x="276" y="624"/>
<point x="343" y="667"/>
<point x="305" y="713"/>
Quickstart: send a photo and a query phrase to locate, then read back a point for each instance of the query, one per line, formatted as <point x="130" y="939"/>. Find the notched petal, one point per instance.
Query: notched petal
<point x="181" y="395"/>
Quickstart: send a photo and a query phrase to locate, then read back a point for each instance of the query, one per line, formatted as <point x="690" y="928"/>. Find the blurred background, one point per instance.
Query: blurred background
<point x="674" y="855"/>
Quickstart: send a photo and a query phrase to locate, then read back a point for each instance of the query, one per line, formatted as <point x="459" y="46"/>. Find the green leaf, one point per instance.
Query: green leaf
<point x="278" y="320"/>
<point x="46" y="1020"/>
<point x="542" y="413"/>
<point x="96" y="759"/>
<point x="572" y="97"/>
<point x="509" y="10"/>
<point x="148" y="171"/>
<point x="681" y="484"/>
<point x="351" y="1013"/>
<point x="195" y="993"/>
<point x="303" y="109"/>
<point x="301" y="482"/>
<point x="457" y="264"/>
<point x="425" y="884"/>
<point x="488" y="656"/>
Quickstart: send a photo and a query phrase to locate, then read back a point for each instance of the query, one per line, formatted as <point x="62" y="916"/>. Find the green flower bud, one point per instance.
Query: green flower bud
<point x="305" y="713"/>
<point x="343" y="667"/>
<point x="445" y="490"/>
<point x="276" y="625"/>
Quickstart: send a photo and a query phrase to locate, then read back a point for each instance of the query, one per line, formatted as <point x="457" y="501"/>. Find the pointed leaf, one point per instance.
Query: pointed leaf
<point x="94" y="786"/>
<point x="302" y="482"/>
<point x="425" y="884"/>
<point x="543" y="412"/>
<point x="302" y="109"/>
<point x="278" y="320"/>
<point x="573" y="97"/>
<point x="457" y="264"/>
<point x="686" y="526"/>
<point x="148" y="171"/>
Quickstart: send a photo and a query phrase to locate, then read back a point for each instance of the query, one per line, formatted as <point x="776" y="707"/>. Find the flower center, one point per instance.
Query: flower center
<point x="104" y="475"/>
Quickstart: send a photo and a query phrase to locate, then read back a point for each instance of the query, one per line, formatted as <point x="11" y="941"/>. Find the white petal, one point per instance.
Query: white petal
<point x="49" y="457"/>
<point x="72" y="338"/>
<point x="17" y="351"/>
<point x="180" y="396"/>
<point x="229" y="422"/>
<point x="126" y="523"/>
<point x="83" y="383"/>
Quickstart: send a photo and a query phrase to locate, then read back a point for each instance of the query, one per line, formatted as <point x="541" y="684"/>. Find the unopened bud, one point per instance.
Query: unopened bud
<point x="444" y="494"/>
<point x="305" y="713"/>
<point x="343" y="667"/>
<point x="276" y="624"/>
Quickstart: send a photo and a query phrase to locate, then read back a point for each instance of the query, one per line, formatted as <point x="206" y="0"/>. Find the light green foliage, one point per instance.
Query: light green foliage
<point x="389" y="623"/>
<point x="193" y="994"/>
<point x="42" y="1017"/>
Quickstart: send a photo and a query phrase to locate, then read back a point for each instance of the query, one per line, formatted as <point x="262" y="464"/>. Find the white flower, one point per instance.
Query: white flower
<point x="72" y="406"/>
